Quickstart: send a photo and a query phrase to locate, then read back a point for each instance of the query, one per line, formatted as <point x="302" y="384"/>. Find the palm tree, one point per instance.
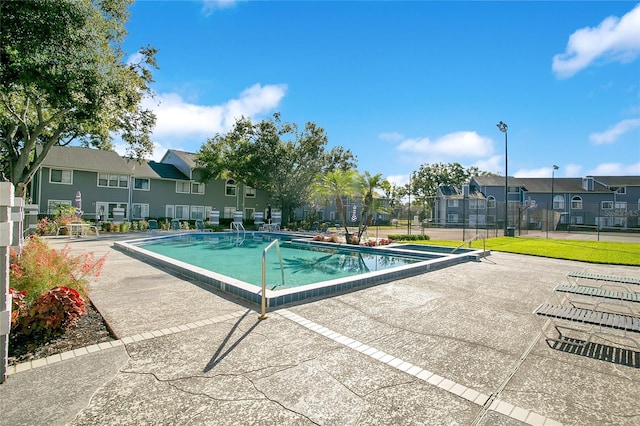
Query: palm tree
<point x="369" y="184"/>
<point x="335" y="185"/>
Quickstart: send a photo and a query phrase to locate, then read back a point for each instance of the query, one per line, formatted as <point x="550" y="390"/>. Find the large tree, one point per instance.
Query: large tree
<point x="273" y="156"/>
<point x="65" y="79"/>
<point x="335" y="185"/>
<point x="424" y="183"/>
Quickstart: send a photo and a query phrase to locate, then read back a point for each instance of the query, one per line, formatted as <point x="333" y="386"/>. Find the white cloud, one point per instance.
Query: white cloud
<point x="449" y="147"/>
<point x="535" y="173"/>
<point x="209" y="6"/>
<point x="615" y="39"/>
<point x="615" y="169"/>
<point x="399" y="180"/>
<point x="572" y="170"/>
<point x="493" y="164"/>
<point x="612" y="133"/>
<point x="391" y="136"/>
<point x="178" y="119"/>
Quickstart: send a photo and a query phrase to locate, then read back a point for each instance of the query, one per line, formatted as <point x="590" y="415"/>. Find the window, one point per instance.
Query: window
<point x="54" y="206"/>
<point x="577" y="220"/>
<point x="491" y="202"/>
<point x="228" y="212"/>
<point x="514" y="189"/>
<point x="249" y="192"/>
<point x="621" y="205"/>
<point x="197" y="188"/>
<point x="113" y="181"/>
<point x="182" y="212"/>
<point x="452" y="218"/>
<point x="140" y="211"/>
<point x="183" y="187"/>
<point x="197" y="212"/>
<point x="607" y="205"/>
<point x="558" y="202"/>
<point x="477" y="204"/>
<point x="491" y="219"/>
<point x="230" y="189"/>
<point x="61" y="176"/>
<point x="452" y="203"/>
<point x="619" y="189"/>
<point x="141" y="184"/>
<point x="576" y="203"/>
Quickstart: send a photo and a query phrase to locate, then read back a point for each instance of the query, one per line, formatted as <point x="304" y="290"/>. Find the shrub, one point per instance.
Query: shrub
<point x="39" y="268"/>
<point x="406" y="237"/>
<point x="46" y="227"/>
<point x="51" y="313"/>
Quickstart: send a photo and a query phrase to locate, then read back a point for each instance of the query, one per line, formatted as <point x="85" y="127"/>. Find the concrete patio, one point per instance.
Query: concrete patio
<point x="456" y="346"/>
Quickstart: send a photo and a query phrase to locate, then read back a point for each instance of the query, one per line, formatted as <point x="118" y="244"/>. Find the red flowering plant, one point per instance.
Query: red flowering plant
<point x="47" y="286"/>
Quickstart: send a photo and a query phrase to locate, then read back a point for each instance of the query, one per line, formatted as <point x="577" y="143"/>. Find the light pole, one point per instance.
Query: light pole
<point x="502" y="126"/>
<point x="409" y="207"/>
<point x="553" y="176"/>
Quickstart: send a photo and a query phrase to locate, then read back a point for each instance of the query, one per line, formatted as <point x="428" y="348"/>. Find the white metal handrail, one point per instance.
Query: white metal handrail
<point x="263" y="310"/>
<point x="475" y="237"/>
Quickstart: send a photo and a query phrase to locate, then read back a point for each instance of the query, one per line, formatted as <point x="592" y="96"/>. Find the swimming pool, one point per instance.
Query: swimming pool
<point x="309" y="269"/>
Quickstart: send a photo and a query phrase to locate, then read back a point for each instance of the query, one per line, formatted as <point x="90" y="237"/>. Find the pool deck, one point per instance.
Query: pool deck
<point x="453" y="346"/>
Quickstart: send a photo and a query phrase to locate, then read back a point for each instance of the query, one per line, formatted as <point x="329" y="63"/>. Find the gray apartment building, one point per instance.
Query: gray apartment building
<point x="168" y="189"/>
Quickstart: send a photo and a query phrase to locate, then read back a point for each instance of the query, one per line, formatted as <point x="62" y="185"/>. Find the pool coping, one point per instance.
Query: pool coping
<point x="281" y="297"/>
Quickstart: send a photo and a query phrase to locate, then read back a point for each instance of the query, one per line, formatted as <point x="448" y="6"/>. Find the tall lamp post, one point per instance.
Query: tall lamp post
<point x="409" y="207"/>
<point x="553" y="175"/>
<point x="502" y="126"/>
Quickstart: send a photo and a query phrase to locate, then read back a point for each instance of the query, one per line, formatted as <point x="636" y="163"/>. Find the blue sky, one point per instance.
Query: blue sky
<point x="407" y="83"/>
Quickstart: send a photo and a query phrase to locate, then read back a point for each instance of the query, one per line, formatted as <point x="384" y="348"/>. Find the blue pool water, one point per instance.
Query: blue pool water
<point x="302" y="263"/>
<point x="233" y="265"/>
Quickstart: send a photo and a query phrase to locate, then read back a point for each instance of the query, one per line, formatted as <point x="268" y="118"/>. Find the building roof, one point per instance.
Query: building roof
<point x="167" y="171"/>
<point x="542" y="185"/>
<point x="89" y="159"/>
<point x="618" y="180"/>
<point x="189" y="158"/>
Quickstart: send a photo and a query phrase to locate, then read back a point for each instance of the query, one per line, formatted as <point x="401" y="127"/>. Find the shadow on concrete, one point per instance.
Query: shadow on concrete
<point x="601" y="352"/>
<point x="219" y="355"/>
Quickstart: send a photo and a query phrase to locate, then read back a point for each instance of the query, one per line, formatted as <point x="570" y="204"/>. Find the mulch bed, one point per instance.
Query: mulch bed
<point x="91" y="329"/>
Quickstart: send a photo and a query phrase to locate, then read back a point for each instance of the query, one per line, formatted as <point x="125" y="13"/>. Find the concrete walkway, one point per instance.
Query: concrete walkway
<point x="455" y="346"/>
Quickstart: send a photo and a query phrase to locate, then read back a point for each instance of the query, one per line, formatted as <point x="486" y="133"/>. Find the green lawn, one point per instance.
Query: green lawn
<point x="614" y="253"/>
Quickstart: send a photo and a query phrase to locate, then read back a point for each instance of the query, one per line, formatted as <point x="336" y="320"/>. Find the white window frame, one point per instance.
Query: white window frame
<point x="197" y="188"/>
<point x="63" y="181"/>
<point x="52" y="205"/>
<point x="228" y="212"/>
<point x="197" y="213"/>
<point x="576" y="203"/>
<point x="452" y="218"/>
<point x="452" y="202"/>
<point x="144" y="210"/>
<point x="606" y="205"/>
<point x="230" y="186"/>
<point x="477" y="204"/>
<point x="558" y="202"/>
<point x="142" y="188"/>
<point x="183" y="187"/>
<point x="491" y="202"/>
<point x="181" y="212"/>
<point x="249" y="192"/>
<point x="113" y="180"/>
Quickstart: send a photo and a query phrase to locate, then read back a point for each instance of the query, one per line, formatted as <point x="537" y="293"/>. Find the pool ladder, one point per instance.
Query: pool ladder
<point x="238" y="226"/>
<point x="263" y="305"/>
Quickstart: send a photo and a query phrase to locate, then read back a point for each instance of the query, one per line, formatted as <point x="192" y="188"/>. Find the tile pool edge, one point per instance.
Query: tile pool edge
<point x="276" y="298"/>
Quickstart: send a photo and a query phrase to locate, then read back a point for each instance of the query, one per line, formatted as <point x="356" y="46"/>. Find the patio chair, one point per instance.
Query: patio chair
<point x="153" y="225"/>
<point x="200" y="226"/>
